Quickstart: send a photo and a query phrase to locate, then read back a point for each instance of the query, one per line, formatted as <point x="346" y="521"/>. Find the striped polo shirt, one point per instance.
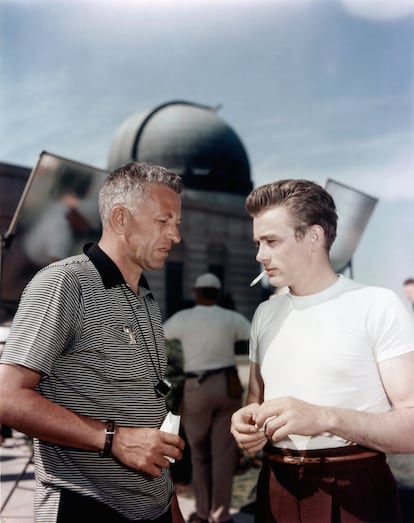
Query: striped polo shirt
<point x="100" y="350"/>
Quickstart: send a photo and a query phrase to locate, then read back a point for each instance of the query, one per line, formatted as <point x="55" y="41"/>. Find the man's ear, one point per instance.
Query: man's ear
<point x="316" y="235"/>
<point x="118" y="218"/>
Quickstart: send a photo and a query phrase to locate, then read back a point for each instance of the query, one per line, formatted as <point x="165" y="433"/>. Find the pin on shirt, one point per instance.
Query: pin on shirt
<point x="128" y="330"/>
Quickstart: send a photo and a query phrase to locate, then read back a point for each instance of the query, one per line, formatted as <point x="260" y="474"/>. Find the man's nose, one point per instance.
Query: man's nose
<point x="261" y="255"/>
<point x="175" y="234"/>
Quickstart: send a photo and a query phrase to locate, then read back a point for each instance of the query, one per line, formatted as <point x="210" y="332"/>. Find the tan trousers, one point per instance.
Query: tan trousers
<point x="206" y="418"/>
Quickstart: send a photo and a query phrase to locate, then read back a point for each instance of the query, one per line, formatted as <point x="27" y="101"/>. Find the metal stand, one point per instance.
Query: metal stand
<point x="7" y="239"/>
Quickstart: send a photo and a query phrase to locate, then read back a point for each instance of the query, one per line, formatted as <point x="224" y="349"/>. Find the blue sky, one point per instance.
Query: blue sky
<point x="314" y="88"/>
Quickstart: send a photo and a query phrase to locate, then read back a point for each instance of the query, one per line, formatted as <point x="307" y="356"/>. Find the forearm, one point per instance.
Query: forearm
<point x="32" y="414"/>
<point x="390" y="432"/>
<point x="256" y="388"/>
<point x="142" y="449"/>
<point x="252" y="398"/>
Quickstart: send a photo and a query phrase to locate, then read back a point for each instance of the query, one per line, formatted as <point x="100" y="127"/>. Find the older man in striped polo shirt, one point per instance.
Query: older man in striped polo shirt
<point x="83" y="368"/>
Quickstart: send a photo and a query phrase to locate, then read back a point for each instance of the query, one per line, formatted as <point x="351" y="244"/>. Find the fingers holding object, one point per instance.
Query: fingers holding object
<point x="266" y="424"/>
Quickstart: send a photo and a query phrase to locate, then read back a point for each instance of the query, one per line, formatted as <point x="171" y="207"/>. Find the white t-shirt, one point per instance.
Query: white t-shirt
<point x="207" y="335"/>
<point x="324" y="348"/>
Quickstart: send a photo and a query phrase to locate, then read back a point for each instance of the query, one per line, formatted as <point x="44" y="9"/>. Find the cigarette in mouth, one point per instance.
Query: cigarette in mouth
<point x="257" y="279"/>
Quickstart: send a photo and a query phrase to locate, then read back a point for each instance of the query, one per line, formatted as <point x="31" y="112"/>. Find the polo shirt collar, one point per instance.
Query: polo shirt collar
<point x="110" y="274"/>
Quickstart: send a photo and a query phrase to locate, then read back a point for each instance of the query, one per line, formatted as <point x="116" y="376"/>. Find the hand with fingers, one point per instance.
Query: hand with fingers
<point x="146" y="449"/>
<point x="249" y="437"/>
<point x="280" y="417"/>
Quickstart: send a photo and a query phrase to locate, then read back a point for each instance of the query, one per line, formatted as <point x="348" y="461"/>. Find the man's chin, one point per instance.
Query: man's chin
<point x="158" y="264"/>
<point x="277" y="281"/>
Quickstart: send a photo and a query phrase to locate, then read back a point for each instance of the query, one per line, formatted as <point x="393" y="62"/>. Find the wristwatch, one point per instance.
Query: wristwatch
<point x="110" y="432"/>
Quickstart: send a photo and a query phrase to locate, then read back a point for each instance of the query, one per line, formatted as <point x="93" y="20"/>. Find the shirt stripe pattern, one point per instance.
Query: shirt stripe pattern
<point x="100" y="351"/>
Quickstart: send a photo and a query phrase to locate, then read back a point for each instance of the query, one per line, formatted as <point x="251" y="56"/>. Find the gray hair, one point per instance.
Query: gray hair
<point x="127" y="186"/>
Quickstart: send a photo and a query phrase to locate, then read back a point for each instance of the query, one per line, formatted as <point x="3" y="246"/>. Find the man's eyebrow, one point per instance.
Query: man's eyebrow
<point x="267" y="236"/>
<point x="170" y="216"/>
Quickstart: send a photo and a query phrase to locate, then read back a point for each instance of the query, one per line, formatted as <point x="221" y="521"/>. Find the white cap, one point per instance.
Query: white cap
<point x="207" y="280"/>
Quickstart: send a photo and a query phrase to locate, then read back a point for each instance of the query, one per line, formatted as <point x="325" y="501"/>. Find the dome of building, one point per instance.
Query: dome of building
<point x="189" y="139"/>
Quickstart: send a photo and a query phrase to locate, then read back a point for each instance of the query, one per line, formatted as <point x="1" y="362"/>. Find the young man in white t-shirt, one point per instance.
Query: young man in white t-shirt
<point x="330" y="388"/>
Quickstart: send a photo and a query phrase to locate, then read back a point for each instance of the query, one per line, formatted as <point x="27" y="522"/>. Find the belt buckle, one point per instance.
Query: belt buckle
<point x="294" y="460"/>
<point x="300" y="460"/>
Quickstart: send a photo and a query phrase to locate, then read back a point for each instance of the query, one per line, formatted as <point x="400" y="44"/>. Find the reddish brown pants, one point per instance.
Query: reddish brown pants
<point x="358" y="491"/>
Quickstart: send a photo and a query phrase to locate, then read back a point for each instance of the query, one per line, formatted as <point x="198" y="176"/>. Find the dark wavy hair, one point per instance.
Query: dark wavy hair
<point x="307" y="202"/>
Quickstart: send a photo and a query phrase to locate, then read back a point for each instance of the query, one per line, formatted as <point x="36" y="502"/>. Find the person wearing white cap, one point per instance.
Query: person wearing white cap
<point x="208" y="334"/>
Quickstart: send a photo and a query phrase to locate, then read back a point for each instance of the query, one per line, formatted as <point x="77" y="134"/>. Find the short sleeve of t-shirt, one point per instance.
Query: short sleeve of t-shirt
<point x="45" y="321"/>
<point x="390" y="326"/>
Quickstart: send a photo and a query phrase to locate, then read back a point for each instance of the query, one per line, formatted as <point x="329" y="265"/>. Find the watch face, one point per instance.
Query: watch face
<point x="163" y="387"/>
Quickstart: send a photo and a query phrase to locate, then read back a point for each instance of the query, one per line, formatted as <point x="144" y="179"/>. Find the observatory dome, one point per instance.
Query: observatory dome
<point x="189" y="139"/>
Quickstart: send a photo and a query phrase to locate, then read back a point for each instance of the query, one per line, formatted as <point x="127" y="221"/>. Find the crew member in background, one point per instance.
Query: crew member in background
<point x="212" y="392"/>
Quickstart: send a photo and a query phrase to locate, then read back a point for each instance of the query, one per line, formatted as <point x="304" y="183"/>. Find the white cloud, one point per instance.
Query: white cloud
<point x="379" y="9"/>
<point x="388" y="175"/>
<point x="354" y="141"/>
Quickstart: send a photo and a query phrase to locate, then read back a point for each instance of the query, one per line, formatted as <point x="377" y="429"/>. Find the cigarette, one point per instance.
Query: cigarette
<point x="257" y="279"/>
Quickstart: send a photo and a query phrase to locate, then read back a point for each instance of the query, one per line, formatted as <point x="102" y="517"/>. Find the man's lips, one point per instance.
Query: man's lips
<point x="165" y="250"/>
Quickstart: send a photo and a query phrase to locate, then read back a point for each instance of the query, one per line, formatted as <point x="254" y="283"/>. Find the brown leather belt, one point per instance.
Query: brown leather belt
<point x="305" y="460"/>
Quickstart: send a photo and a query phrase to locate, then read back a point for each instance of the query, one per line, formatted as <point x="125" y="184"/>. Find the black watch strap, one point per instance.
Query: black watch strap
<point x="110" y="432"/>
